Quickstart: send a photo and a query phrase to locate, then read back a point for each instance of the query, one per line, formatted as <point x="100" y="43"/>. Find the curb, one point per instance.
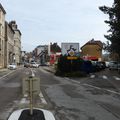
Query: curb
<point x="49" y="69"/>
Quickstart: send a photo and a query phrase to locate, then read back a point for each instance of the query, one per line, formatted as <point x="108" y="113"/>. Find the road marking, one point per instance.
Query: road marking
<point x="92" y="76"/>
<point x="104" y="77"/>
<point x="33" y="75"/>
<point x="91" y="86"/>
<point x="116" y="78"/>
<point x="111" y="91"/>
<point x="23" y="101"/>
<point x="27" y="73"/>
<point x="75" y="81"/>
<point x="6" y="75"/>
<point x="42" y="98"/>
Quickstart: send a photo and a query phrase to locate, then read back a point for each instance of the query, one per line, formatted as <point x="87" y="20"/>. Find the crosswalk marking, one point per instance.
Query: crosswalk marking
<point x="104" y="77"/>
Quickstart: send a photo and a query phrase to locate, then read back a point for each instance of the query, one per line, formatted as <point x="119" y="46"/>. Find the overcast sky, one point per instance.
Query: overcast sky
<point x="45" y="21"/>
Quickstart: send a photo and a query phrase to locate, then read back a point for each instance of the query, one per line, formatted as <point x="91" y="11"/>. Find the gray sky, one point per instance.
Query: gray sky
<point x="45" y="21"/>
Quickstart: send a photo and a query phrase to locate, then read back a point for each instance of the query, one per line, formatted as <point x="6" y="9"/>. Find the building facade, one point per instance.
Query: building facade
<point x="17" y="42"/>
<point x="92" y="50"/>
<point x="2" y="36"/>
<point x="41" y="54"/>
<point x="9" y="45"/>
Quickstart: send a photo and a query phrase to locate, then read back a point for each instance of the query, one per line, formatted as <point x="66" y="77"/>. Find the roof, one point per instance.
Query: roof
<point x="9" y="26"/>
<point x="18" y="31"/>
<point x="93" y="42"/>
<point x="2" y="8"/>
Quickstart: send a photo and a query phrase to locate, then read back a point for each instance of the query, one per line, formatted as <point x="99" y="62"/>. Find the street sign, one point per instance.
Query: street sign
<point x="26" y="85"/>
<point x="72" y="58"/>
<point x="70" y="49"/>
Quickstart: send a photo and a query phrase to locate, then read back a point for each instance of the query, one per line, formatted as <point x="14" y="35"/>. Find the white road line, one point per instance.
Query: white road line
<point x="33" y="75"/>
<point x="23" y="101"/>
<point x="6" y="74"/>
<point x="104" y="77"/>
<point x="75" y="81"/>
<point x="92" y="76"/>
<point x="42" y="98"/>
<point x="27" y="73"/>
<point x="111" y="91"/>
<point x="92" y="86"/>
<point x="116" y="78"/>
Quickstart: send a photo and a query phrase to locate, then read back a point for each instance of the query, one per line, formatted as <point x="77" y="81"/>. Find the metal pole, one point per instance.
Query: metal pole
<point x="71" y="66"/>
<point x="31" y="95"/>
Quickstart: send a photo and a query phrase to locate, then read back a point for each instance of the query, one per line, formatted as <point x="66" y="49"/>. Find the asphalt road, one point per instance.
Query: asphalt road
<point x="91" y="98"/>
<point x="96" y="97"/>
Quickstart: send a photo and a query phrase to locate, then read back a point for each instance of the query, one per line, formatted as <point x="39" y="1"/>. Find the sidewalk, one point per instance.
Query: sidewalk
<point x="49" y="68"/>
<point x="3" y="71"/>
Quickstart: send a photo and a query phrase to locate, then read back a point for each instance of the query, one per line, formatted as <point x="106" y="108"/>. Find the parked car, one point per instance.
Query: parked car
<point x="34" y="65"/>
<point x="12" y="66"/>
<point x="113" y="65"/>
<point x="95" y="67"/>
<point x="86" y="67"/>
<point x="101" y="65"/>
<point x="118" y="68"/>
<point x="107" y="64"/>
<point x="26" y="65"/>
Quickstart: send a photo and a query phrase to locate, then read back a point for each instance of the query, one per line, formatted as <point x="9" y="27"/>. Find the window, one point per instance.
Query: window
<point x="0" y="29"/>
<point x="0" y="44"/>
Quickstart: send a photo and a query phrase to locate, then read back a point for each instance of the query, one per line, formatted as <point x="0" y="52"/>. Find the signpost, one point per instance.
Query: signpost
<point x="71" y="50"/>
<point x="31" y="86"/>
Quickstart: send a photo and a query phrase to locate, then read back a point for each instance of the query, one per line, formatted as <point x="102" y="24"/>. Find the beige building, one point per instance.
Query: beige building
<point x="92" y="50"/>
<point x="2" y="36"/>
<point x="17" y="42"/>
<point x="9" y="44"/>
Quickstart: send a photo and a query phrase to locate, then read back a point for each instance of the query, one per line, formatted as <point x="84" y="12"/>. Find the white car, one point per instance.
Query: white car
<point x="34" y="65"/>
<point x="12" y="66"/>
<point x="113" y="65"/>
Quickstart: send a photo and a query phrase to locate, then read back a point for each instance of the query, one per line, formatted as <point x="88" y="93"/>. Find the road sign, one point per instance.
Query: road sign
<point x="71" y="58"/>
<point x="70" y="49"/>
<point x="26" y="85"/>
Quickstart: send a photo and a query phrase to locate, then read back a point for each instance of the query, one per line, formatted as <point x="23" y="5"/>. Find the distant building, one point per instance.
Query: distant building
<point x="54" y="53"/>
<point x="9" y="44"/>
<point x="41" y="54"/>
<point x="17" y="42"/>
<point x="23" y="57"/>
<point x="92" y="50"/>
<point x="2" y="36"/>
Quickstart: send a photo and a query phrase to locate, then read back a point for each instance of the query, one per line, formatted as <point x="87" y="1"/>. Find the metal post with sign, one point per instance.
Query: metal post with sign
<point x="31" y="86"/>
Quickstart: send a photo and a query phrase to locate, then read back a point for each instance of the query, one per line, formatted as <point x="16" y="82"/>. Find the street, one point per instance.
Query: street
<point x="95" y="97"/>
